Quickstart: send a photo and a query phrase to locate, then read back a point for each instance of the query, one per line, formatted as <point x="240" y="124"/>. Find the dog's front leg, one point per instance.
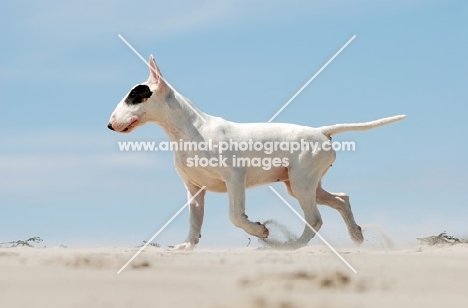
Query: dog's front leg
<point x="236" y="193"/>
<point x="196" y="207"/>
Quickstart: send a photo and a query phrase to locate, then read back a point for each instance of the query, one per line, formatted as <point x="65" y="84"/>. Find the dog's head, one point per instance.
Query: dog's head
<point x="142" y="103"/>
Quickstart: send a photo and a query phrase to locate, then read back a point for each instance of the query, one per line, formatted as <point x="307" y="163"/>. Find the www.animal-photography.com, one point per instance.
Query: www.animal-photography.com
<point x="233" y="154"/>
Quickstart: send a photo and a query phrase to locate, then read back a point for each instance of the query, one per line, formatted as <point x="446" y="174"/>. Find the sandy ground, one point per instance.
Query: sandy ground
<point x="246" y="277"/>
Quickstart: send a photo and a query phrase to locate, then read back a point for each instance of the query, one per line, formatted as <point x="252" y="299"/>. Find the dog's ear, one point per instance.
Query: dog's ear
<point x="155" y="79"/>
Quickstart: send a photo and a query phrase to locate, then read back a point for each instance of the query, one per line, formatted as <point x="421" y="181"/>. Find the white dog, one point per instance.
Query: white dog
<point x="301" y="171"/>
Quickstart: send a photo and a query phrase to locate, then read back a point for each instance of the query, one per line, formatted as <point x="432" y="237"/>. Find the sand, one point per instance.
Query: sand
<point x="312" y="276"/>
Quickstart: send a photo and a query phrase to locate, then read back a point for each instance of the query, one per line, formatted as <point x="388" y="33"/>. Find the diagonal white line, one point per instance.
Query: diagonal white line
<point x="160" y="230"/>
<point x="318" y="234"/>
<point x="313" y="77"/>
<point x="168" y="84"/>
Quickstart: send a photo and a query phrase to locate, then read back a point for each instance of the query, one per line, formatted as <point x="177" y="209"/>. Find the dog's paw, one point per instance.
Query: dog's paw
<point x="187" y="246"/>
<point x="263" y="232"/>
<point x="356" y="235"/>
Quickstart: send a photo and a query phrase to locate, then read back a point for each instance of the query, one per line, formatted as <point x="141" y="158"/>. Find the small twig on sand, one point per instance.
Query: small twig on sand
<point x="442" y="238"/>
<point x="248" y="244"/>
<point x="36" y="239"/>
<point x="150" y="244"/>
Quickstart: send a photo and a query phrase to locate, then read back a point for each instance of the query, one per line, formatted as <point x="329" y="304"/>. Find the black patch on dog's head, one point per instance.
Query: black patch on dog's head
<point x="138" y="95"/>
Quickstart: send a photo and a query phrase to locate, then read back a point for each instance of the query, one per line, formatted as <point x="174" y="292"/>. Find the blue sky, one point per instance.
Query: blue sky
<point x="63" y="70"/>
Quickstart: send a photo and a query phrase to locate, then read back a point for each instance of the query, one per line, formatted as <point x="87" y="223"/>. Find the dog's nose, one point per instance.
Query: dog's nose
<point x="109" y="126"/>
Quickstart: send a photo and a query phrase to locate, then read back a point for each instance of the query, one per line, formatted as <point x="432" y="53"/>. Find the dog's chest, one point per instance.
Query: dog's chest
<point x="200" y="176"/>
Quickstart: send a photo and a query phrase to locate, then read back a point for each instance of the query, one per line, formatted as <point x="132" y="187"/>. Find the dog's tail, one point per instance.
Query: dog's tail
<point x="342" y="128"/>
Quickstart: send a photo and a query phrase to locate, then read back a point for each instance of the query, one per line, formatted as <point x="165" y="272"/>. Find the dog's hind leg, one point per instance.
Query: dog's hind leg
<point x="196" y="207"/>
<point x="304" y="189"/>
<point x="340" y="202"/>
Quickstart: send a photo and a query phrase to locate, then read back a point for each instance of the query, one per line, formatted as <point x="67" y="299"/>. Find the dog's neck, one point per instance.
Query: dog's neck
<point x="182" y="119"/>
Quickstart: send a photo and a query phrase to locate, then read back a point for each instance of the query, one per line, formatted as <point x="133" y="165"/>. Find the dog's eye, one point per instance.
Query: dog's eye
<point x="138" y="95"/>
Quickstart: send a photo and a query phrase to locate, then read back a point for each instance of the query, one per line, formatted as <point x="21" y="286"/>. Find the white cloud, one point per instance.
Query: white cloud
<point x="49" y="164"/>
<point x="71" y="179"/>
<point x="156" y="19"/>
<point x="50" y="29"/>
<point x="71" y="162"/>
<point x="78" y="19"/>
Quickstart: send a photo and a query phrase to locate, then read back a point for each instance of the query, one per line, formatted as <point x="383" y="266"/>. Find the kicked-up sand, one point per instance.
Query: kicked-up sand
<point x="312" y="276"/>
